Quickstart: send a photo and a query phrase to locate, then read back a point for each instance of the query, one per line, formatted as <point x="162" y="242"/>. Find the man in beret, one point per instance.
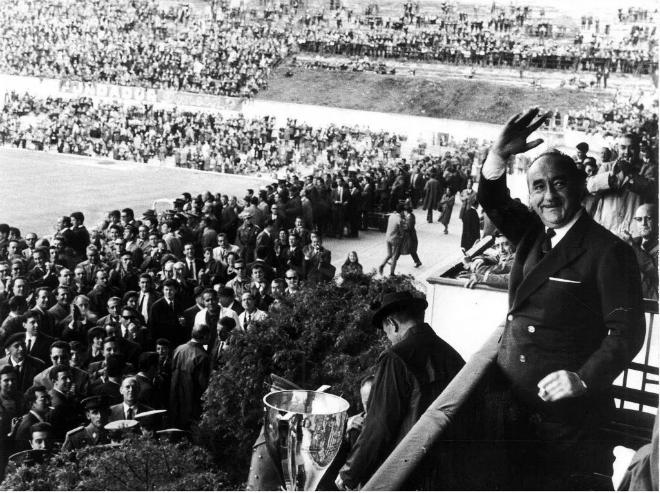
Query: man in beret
<point x="26" y="366"/>
<point x="97" y="411"/>
<point x="410" y="376"/>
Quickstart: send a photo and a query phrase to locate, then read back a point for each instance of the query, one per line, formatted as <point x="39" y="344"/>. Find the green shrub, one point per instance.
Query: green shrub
<point x="137" y="464"/>
<point x="324" y="337"/>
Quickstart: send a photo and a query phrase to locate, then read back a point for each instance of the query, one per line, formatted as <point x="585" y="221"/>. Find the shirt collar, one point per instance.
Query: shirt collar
<point x="561" y="232"/>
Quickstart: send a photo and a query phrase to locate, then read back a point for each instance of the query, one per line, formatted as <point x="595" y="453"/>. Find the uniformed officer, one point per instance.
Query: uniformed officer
<point x="97" y="411"/>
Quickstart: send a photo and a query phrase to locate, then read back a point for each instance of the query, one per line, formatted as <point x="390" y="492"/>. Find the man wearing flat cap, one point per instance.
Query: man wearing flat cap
<point x="409" y="377"/>
<point x="97" y="411"/>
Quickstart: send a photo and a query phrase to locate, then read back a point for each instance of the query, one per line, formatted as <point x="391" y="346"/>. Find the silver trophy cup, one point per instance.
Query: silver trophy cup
<point x="304" y="430"/>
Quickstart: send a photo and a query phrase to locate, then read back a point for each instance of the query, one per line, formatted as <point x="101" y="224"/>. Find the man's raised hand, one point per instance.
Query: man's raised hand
<point x="513" y="137"/>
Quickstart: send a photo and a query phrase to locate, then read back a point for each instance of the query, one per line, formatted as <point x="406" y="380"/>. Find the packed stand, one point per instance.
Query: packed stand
<point x="505" y="38"/>
<point x="141" y="44"/>
<point x="197" y="140"/>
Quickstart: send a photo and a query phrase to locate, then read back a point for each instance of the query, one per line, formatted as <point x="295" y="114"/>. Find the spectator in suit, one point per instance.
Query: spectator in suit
<point x="26" y="366"/>
<point x="37" y="402"/>
<point x="339" y="198"/>
<point x="113" y="312"/>
<point x="645" y="246"/>
<point x="251" y="313"/>
<point x="37" y="343"/>
<point x="46" y="320"/>
<point x="146" y="296"/>
<point x="66" y="413"/>
<point x="100" y="294"/>
<point x="150" y="393"/>
<point x="130" y="391"/>
<point x="193" y="265"/>
<point x="60" y="354"/>
<point x="166" y="315"/>
<point x="432" y="194"/>
<point x="60" y="309"/>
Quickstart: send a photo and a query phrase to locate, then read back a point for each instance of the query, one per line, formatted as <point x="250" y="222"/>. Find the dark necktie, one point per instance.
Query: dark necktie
<point x="546" y="244"/>
<point x="141" y="304"/>
<point x="130" y="414"/>
<point x="29" y="346"/>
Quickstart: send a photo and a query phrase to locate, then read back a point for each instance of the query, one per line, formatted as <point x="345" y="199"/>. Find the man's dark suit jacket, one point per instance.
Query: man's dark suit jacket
<point x="164" y="322"/>
<point x="65" y="415"/>
<point x="189" y="315"/>
<point x="59" y="312"/>
<point x="117" y="411"/>
<point x="31" y="368"/>
<point x="41" y="348"/>
<point x="47" y="322"/>
<point x="579" y="309"/>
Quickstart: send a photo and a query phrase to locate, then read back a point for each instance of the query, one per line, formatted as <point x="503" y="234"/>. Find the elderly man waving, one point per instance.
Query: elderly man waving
<point x="574" y="318"/>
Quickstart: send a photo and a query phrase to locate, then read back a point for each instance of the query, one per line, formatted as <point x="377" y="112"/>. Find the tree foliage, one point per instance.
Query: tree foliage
<point x="325" y="336"/>
<point x="139" y="463"/>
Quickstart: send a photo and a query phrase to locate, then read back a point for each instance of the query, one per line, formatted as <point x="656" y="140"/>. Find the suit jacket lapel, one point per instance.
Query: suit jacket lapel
<point x="569" y="248"/>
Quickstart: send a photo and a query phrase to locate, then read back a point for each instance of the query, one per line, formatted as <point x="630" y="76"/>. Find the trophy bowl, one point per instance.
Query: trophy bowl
<point x="304" y="430"/>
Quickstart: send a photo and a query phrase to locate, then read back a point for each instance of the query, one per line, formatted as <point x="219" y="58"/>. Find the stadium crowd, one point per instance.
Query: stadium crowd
<point x="197" y="140"/>
<point x="458" y="38"/>
<point x="139" y="43"/>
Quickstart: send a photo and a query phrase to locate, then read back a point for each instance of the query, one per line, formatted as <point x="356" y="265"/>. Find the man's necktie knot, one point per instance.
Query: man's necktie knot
<point x="546" y="244"/>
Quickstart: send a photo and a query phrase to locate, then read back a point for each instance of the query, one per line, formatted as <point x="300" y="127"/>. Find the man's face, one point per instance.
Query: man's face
<point x="110" y="349"/>
<point x="163" y="352"/>
<point x="189" y="252"/>
<point x="222" y="241"/>
<point x="83" y="305"/>
<point x="31" y="325"/>
<point x="17" y="350"/>
<point x="292" y="280"/>
<point x="38" y="259"/>
<point x="62" y="297"/>
<point x="645" y="222"/>
<point x="113" y="308"/>
<point x="153" y="240"/>
<point x="627" y="149"/>
<point x="210" y="302"/>
<point x="12" y="248"/>
<point x="65" y="277"/>
<point x="144" y="284"/>
<point x="127" y="262"/>
<point x="276" y="290"/>
<point x="129" y="390"/>
<point x="20" y="287"/>
<point x="101" y="278"/>
<point x="247" y="300"/>
<point x="113" y="233"/>
<point x="169" y="292"/>
<point x="258" y="274"/>
<point x="240" y="268"/>
<point x="42" y="299"/>
<point x="7" y="383"/>
<point x="4" y="272"/>
<point x="299" y="223"/>
<point x="59" y="356"/>
<point x="98" y="417"/>
<point x="502" y="245"/>
<point x="316" y="242"/>
<point x="79" y="274"/>
<point x="41" y="403"/>
<point x="40" y="440"/>
<point x="63" y="382"/>
<point x="293" y="241"/>
<point x="31" y="239"/>
<point x="143" y="233"/>
<point x="554" y="194"/>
